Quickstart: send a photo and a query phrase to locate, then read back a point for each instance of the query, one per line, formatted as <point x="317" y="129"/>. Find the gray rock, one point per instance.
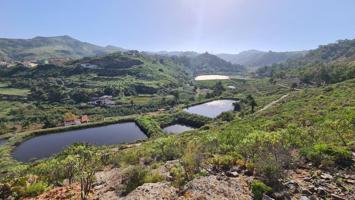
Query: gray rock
<point x="306" y="191"/>
<point x="265" y="197"/>
<point x="98" y="187"/>
<point x="281" y="195"/>
<point x="157" y="191"/>
<point x="326" y="176"/>
<point x="337" y="197"/>
<point x="232" y="173"/>
<point x="218" y="188"/>
<point x="304" y="198"/>
<point x="313" y="197"/>
<point x="321" y="191"/>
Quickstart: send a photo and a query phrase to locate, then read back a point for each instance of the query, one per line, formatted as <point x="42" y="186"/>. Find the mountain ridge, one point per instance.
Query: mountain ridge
<point x="255" y="58"/>
<point x="41" y="47"/>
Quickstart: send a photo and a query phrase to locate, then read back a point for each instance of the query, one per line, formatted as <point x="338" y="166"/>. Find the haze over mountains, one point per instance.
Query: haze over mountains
<point x="39" y="48"/>
<point x="255" y="58"/>
<point x="67" y="47"/>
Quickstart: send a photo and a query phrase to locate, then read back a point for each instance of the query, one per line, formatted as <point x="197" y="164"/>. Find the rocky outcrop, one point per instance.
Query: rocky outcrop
<point x="307" y="184"/>
<point x="217" y="188"/>
<point x="108" y="184"/>
<point x="156" y="191"/>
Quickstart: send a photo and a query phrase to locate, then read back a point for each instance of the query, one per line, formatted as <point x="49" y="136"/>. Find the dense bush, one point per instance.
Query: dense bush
<point x="136" y="176"/>
<point x="227" y="116"/>
<point x="328" y="155"/>
<point x="35" y="189"/>
<point x="191" y="119"/>
<point x="149" y="126"/>
<point x="167" y="148"/>
<point x="222" y="162"/>
<point x="258" y="189"/>
<point x="133" y="178"/>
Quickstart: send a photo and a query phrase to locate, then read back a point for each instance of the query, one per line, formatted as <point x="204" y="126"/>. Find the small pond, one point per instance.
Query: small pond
<point x="46" y="145"/>
<point x="177" y="128"/>
<point x="2" y="141"/>
<point x="212" y="109"/>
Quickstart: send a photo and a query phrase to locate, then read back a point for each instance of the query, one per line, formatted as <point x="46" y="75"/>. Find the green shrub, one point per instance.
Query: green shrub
<point x="223" y="162"/>
<point x="191" y="160"/>
<point x="137" y="176"/>
<point x="35" y="189"/>
<point x="134" y="178"/>
<point x="149" y="126"/>
<point x="153" y="178"/>
<point x="328" y="155"/>
<point x="193" y="120"/>
<point x="178" y="175"/>
<point x="259" y="188"/>
<point x="227" y="116"/>
<point x="167" y="148"/>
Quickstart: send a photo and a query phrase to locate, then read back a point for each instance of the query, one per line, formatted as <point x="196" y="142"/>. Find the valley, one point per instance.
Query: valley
<point x="173" y="125"/>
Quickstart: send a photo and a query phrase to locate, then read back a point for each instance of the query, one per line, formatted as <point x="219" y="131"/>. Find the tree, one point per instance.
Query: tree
<point x="84" y="162"/>
<point x="226" y="116"/>
<point x="80" y="95"/>
<point x="251" y="102"/>
<point x="176" y="95"/>
<point x="70" y="116"/>
<point x="236" y="106"/>
<point x="293" y="86"/>
<point x="218" y="89"/>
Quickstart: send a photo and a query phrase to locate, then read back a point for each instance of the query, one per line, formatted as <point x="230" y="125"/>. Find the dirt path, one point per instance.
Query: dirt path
<point x="273" y="103"/>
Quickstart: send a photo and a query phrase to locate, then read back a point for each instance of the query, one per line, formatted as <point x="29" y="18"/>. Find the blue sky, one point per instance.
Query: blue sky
<point x="200" y="25"/>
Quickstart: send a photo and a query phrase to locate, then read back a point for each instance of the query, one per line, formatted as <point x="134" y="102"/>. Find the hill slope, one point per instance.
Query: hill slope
<point x="327" y="64"/>
<point x="255" y="59"/>
<point x="208" y="64"/>
<point x="49" y="47"/>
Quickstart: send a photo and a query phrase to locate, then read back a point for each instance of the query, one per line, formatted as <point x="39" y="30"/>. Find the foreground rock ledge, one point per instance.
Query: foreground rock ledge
<point x="209" y="187"/>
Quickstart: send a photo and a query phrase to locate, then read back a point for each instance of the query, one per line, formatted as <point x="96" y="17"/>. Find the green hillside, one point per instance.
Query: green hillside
<point x="49" y="47"/>
<point x="254" y="59"/>
<point x="208" y="64"/>
<point x="327" y="64"/>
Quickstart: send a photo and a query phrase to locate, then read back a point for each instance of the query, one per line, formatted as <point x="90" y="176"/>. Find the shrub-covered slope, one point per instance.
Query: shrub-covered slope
<point x="49" y="47"/>
<point x="327" y="64"/>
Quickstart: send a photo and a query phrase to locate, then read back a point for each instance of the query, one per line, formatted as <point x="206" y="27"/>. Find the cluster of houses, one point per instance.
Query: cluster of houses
<point x="83" y="119"/>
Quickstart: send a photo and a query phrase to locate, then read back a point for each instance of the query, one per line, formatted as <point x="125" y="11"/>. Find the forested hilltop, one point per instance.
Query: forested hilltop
<point x="254" y="59"/>
<point x="289" y="133"/>
<point x="327" y="64"/>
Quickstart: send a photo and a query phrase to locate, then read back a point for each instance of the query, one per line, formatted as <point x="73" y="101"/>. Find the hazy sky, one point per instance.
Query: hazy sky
<point x="199" y="25"/>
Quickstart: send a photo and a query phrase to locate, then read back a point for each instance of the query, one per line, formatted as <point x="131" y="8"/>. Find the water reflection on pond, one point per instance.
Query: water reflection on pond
<point x="2" y="141"/>
<point x="176" y="129"/>
<point x="46" y="145"/>
<point x="212" y="109"/>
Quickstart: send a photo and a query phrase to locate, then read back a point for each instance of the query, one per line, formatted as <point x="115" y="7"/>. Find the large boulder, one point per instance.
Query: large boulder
<point x="156" y="191"/>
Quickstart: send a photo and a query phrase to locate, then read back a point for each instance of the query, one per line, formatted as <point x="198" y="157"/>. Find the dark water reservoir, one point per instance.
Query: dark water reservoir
<point x="46" y="145"/>
<point x="211" y="109"/>
<point x="2" y="141"/>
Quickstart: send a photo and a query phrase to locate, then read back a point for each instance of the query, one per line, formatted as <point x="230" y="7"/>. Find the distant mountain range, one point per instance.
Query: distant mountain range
<point x="255" y="59"/>
<point x="39" y="48"/>
<point x="50" y="47"/>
